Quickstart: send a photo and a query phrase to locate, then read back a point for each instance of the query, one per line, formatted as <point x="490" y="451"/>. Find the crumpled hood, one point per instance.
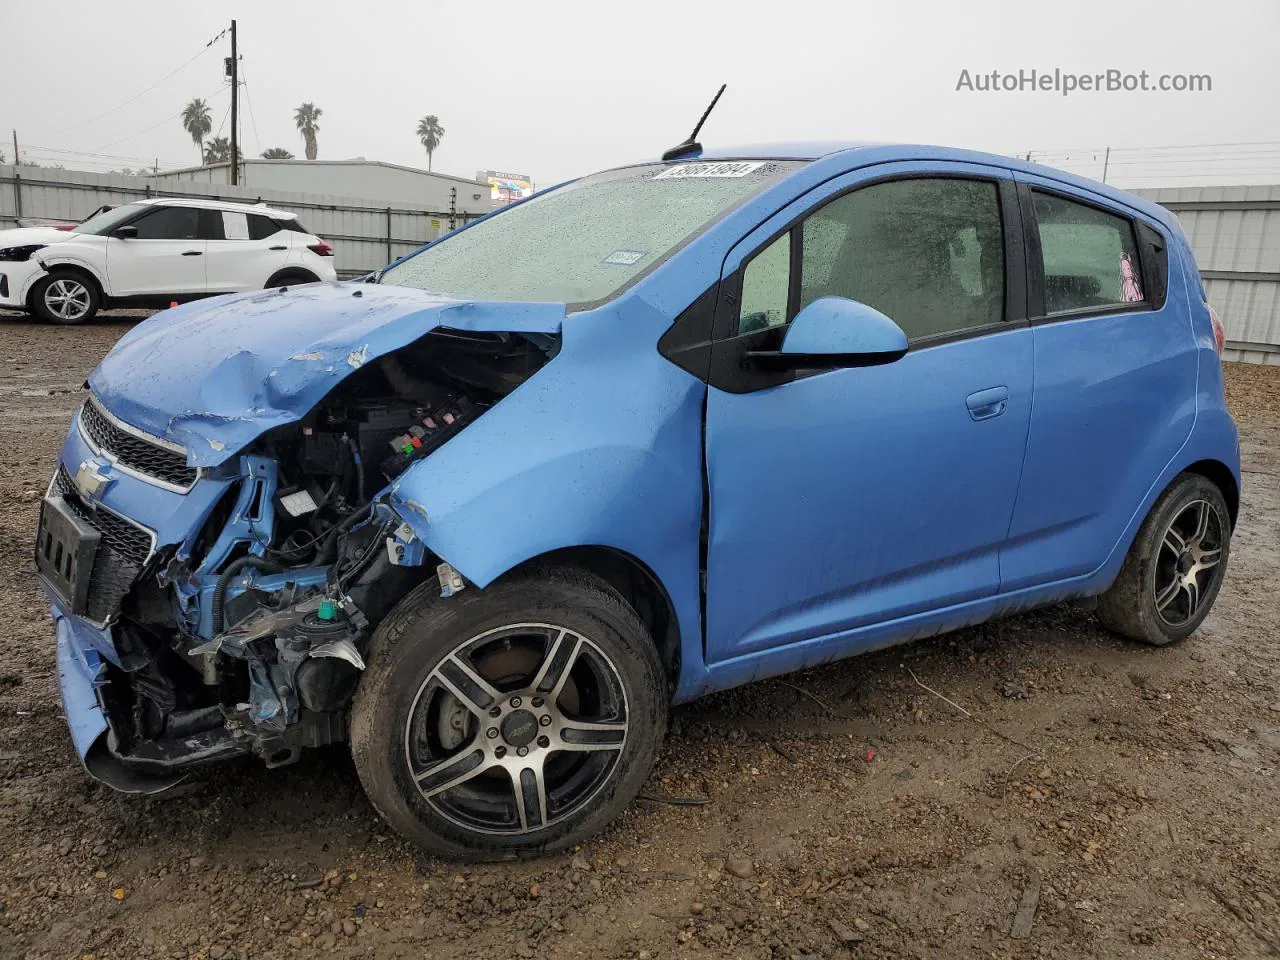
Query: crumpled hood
<point x="26" y="236"/>
<point x="216" y="374"/>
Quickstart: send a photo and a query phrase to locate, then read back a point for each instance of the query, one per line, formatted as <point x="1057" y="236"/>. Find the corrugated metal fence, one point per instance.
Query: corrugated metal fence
<point x="1235" y="233"/>
<point x="364" y="236"/>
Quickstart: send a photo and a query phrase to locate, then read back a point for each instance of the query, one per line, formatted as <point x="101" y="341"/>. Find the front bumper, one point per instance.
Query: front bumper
<point x="153" y="683"/>
<point x="80" y="677"/>
<point x="86" y="650"/>
<point x="16" y="279"/>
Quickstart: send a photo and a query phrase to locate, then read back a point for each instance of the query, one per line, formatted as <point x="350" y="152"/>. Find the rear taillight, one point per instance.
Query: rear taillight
<point x="320" y="249"/>
<point x="1219" y="334"/>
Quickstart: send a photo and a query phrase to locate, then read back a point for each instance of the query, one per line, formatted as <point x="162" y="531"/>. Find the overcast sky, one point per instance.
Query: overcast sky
<point x="556" y="89"/>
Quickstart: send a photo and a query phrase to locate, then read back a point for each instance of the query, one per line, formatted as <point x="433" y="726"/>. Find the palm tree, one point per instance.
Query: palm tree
<point x="197" y="123"/>
<point x="195" y="120"/>
<point x="276" y="153"/>
<point x="217" y="151"/>
<point x="430" y="133"/>
<point x="305" y="117"/>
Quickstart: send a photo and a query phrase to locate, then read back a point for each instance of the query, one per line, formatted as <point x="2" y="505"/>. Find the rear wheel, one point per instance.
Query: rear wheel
<point x="1174" y="569"/>
<point x="65" y="296"/>
<point x="512" y="721"/>
<point x="290" y="278"/>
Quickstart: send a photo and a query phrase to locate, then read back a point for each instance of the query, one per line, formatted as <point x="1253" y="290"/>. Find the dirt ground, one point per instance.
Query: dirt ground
<point x="1073" y="795"/>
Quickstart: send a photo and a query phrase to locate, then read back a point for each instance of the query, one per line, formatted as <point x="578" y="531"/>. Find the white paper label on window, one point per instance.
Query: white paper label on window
<point x="721" y="168"/>
<point x="235" y="226"/>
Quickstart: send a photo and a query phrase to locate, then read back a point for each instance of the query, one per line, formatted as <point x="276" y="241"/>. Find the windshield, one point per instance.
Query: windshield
<point x="586" y="240"/>
<point x="100" y="224"/>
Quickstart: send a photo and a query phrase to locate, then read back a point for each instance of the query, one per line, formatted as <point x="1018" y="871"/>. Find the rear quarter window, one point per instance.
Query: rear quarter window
<point x="261" y="227"/>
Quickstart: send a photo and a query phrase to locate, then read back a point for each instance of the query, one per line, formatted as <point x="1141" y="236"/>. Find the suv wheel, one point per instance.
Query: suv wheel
<point x="511" y="721"/>
<point x="64" y="296"/>
<point x="1174" y="569"/>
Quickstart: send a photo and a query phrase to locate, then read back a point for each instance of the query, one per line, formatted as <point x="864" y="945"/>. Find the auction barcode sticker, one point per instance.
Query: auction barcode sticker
<point x="724" y="168"/>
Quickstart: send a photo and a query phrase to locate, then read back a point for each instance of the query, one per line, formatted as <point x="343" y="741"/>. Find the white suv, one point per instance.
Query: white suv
<point x="153" y="252"/>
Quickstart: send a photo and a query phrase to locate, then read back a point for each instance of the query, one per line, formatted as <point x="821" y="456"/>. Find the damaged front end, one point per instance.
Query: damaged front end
<point x="224" y="609"/>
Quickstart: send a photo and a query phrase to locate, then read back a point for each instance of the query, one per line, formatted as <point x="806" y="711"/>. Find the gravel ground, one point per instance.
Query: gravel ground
<point x="1094" y="799"/>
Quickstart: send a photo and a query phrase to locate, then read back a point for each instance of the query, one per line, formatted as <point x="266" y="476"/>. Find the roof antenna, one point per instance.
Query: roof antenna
<point x="691" y="145"/>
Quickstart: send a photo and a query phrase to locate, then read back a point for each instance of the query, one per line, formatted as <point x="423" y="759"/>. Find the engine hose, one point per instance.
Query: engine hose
<point x="330" y="540"/>
<point x="359" y="463"/>
<point x="343" y="578"/>
<point x="217" y="605"/>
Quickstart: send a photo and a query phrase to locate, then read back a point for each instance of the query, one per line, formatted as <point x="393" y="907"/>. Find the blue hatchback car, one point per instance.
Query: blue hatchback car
<point x="656" y="432"/>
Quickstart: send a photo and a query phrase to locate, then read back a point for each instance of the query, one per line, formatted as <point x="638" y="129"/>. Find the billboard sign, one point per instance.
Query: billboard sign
<point x="506" y="188"/>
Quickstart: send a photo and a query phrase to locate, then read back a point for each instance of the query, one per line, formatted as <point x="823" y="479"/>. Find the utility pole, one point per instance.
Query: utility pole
<point x="1106" y="162"/>
<point x="15" y="148"/>
<point x="234" y="68"/>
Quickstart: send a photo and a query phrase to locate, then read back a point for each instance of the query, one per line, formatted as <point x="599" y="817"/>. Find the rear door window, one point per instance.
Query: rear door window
<point x="1090" y="256"/>
<point x="235" y="225"/>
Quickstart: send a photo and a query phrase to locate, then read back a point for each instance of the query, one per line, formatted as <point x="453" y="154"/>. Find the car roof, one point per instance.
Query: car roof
<point x="259" y="208"/>
<point x="864" y="152"/>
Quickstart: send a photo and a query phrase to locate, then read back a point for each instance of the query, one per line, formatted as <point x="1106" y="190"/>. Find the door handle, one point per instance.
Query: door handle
<point x="986" y="404"/>
<point x="192" y="253"/>
<point x="277" y="248"/>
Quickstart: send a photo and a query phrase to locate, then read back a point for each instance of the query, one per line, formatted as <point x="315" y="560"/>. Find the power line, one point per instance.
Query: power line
<point x="90" y="164"/>
<point x="85" y="123"/>
<point x="80" y="153"/>
<point x="172" y="116"/>
<point x="1126" y="157"/>
<point x="223" y="123"/>
<point x="248" y="102"/>
<point x="1179" y="146"/>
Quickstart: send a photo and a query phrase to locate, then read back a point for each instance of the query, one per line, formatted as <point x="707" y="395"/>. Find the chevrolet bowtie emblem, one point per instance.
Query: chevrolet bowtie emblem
<point x="90" y="481"/>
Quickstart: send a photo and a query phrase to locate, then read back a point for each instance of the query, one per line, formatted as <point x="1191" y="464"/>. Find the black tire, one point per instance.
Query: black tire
<point x="65" y="297"/>
<point x="290" y="278"/>
<point x="1148" y="601"/>
<point x="412" y="650"/>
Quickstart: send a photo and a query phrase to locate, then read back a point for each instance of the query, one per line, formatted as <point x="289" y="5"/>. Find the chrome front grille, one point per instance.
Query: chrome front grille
<point x="123" y="551"/>
<point x="133" y="450"/>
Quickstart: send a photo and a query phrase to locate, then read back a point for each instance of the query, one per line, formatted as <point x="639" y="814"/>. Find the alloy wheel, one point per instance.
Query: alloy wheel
<point x="1188" y="562"/>
<point x="67" y="298"/>
<point x="517" y="728"/>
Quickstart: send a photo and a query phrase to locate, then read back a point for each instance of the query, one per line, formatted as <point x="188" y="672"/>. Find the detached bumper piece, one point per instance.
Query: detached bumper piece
<point x="80" y="672"/>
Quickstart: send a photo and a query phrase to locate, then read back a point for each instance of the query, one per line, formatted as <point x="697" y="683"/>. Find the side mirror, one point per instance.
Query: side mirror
<point x="833" y="332"/>
<point x="127" y="232"/>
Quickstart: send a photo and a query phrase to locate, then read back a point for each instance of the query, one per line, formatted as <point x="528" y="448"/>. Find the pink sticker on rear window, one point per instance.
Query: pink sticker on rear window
<point x="1130" y="288"/>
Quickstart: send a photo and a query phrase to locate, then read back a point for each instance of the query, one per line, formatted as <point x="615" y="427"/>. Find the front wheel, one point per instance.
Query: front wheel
<point x="513" y="721"/>
<point x="65" y="296"/>
<point x="1174" y="570"/>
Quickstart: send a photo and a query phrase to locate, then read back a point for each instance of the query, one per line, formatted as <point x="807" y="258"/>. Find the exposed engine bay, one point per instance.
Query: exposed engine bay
<point x="251" y="635"/>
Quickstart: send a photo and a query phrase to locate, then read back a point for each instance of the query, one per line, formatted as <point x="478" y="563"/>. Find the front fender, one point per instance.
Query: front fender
<point x="602" y="447"/>
<point x="58" y="257"/>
